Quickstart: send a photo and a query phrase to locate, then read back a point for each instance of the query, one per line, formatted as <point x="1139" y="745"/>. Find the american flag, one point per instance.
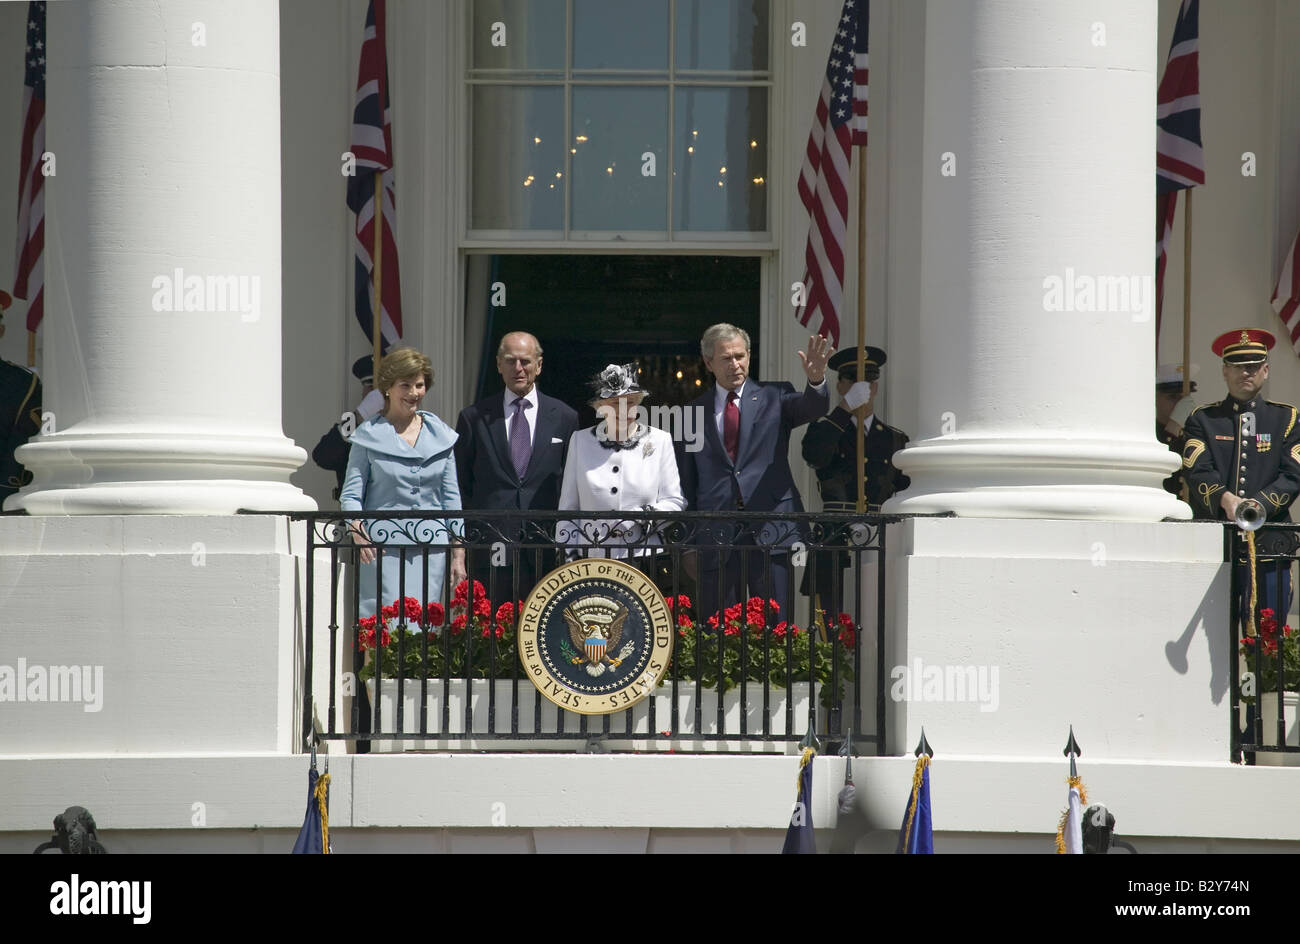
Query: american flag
<point x="1180" y="162"/>
<point x="372" y="145"/>
<point x="29" y="282"/>
<point x="839" y="125"/>
<point x="1286" y="295"/>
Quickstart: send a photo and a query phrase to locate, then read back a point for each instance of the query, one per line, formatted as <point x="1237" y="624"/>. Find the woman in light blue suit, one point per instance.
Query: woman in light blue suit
<point x="401" y="459"/>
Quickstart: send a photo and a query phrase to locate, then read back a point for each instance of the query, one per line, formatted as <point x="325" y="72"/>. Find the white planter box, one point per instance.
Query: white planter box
<point x="639" y="735"/>
<point x="1268" y="713"/>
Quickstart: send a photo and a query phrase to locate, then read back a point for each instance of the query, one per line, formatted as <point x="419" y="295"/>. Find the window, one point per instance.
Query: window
<point x="606" y="119"/>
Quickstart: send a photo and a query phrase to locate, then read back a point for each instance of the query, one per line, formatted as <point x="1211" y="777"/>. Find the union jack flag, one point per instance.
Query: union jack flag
<point x="372" y="145"/>
<point x="1180" y="161"/>
<point x="839" y="125"/>
<point x="29" y="282"/>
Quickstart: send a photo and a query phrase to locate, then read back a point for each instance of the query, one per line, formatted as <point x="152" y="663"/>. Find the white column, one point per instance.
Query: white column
<point x="163" y="298"/>
<point x="1037" y="264"/>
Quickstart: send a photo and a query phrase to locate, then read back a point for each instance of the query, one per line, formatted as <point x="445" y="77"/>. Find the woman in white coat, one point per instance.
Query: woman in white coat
<point x="622" y="465"/>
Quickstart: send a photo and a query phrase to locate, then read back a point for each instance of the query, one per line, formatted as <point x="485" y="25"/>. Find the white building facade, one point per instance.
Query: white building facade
<point x="1012" y="143"/>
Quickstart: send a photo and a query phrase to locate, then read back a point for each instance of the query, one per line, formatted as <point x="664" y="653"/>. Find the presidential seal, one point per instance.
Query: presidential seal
<point x="595" y="636"/>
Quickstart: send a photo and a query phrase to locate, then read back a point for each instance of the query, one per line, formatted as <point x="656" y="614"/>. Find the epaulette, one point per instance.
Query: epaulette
<point x="1290" y="424"/>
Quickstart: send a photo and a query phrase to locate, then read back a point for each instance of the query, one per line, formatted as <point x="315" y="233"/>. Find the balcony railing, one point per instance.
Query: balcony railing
<point x="1267" y="663"/>
<point x="755" y="678"/>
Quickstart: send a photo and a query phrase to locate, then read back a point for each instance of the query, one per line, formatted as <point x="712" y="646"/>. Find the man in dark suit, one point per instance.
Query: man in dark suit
<point x="743" y="465"/>
<point x="830" y="446"/>
<point x="510" y="456"/>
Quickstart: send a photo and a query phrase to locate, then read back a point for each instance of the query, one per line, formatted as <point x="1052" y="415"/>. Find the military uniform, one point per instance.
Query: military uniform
<point x="1251" y="447"/>
<point x="1174" y="484"/>
<point x="20" y="420"/>
<point x="1263" y="463"/>
<point x="830" y="447"/>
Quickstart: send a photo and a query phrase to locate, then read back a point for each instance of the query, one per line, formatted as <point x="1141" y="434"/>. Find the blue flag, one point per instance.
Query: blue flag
<point x="313" y="838"/>
<point x="799" y="835"/>
<point x="916" y="834"/>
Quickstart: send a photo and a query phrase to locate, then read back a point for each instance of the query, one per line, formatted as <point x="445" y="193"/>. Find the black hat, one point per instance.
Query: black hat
<point x="846" y="361"/>
<point x="616" y="380"/>
<point x="364" y="369"/>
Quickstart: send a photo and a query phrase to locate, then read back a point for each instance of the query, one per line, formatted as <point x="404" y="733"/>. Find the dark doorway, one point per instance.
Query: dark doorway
<point x="589" y="311"/>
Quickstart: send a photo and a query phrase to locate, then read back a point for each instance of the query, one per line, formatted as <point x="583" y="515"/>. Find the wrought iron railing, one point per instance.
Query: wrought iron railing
<point x="1264" y="648"/>
<point x="450" y="677"/>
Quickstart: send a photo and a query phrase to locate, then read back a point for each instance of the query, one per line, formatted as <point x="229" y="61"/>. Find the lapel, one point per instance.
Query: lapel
<point x="542" y="432"/>
<point x="749" y="408"/>
<point x="708" y="401"/>
<point x="495" y="416"/>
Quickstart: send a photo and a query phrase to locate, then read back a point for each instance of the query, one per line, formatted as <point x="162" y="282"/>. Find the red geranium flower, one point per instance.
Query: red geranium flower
<point x="411" y="609"/>
<point x="436" y="614"/>
<point x="483" y="607"/>
<point x="713" y="621"/>
<point x="1267" y="613"/>
<point x="1248" y="641"/>
<point x="487" y="631"/>
<point x="683" y="619"/>
<point x="458" y="624"/>
<point x="732" y="612"/>
<point x="848" y="637"/>
<point x="845" y="620"/>
<point x="1270" y="647"/>
<point x="683" y="601"/>
<point x="776" y="607"/>
<point x="731" y="631"/>
<point x="461" y="593"/>
<point x="779" y="630"/>
<point x="506" y="612"/>
<point x="390" y="612"/>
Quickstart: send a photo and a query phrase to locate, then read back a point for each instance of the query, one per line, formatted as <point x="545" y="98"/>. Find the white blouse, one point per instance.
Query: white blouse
<point x="640" y="477"/>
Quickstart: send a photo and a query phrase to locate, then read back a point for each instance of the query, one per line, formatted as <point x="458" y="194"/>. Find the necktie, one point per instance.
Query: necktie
<point x="731" y="425"/>
<point x="521" y="448"/>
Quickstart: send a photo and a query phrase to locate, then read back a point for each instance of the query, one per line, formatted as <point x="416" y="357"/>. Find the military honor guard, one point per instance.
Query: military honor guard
<point x="331" y="453"/>
<point x="1245" y="449"/>
<point x="20" y="415"/>
<point x="1169" y="393"/>
<point x="830" y="447"/>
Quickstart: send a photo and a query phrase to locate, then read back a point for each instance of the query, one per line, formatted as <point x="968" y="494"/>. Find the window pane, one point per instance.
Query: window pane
<point x="518" y="158"/>
<point x="533" y="36"/>
<point x="612" y="128"/>
<point x="723" y="35"/>
<point x="620" y="34"/>
<point x="720" y="169"/>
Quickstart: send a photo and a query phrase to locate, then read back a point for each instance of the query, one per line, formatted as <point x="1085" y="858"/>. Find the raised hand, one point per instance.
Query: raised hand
<point x="814" y="362"/>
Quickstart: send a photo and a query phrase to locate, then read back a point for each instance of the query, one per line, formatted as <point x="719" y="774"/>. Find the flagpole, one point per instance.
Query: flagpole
<point x="862" y="318"/>
<point x="377" y="310"/>
<point x="1187" y="296"/>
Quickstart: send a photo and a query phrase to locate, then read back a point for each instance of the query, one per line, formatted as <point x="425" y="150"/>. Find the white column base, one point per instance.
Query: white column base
<point x="1038" y="478"/>
<point x="1001" y="635"/>
<point x="160" y="474"/>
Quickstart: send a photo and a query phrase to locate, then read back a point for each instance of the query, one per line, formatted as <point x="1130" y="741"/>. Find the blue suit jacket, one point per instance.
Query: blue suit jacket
<point x="760" y="478"/>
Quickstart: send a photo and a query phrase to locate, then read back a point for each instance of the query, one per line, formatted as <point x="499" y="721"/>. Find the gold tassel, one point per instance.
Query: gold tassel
<point x="1254" y="600"/>
<point x="1076" y="782"/>
<point x="322" y="788"/>
<point x="804" y="760"/>
<point x="922" y="762"/>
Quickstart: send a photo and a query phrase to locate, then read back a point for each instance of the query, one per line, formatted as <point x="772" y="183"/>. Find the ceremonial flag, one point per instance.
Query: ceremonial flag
<point x="372" y="146"/>
<point x="29" y="278"/>
<point x="1286" y="295"/>
<point x="839" y="125"/>
<point x="1069" y="831"/>
<point x="314" y="837"/>
<point x="799" y="835"/>
<point x="1180" y="161"/>
<point x="916" y="836"/>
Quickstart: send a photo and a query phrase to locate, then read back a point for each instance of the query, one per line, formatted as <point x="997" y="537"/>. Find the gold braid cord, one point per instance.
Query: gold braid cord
<point x="804" y="761"/>
<point x="1077" y="783"/>
<point x="322" y="789"/>
<point x="1254" y="601"/>
<point x="922" y="762"/>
